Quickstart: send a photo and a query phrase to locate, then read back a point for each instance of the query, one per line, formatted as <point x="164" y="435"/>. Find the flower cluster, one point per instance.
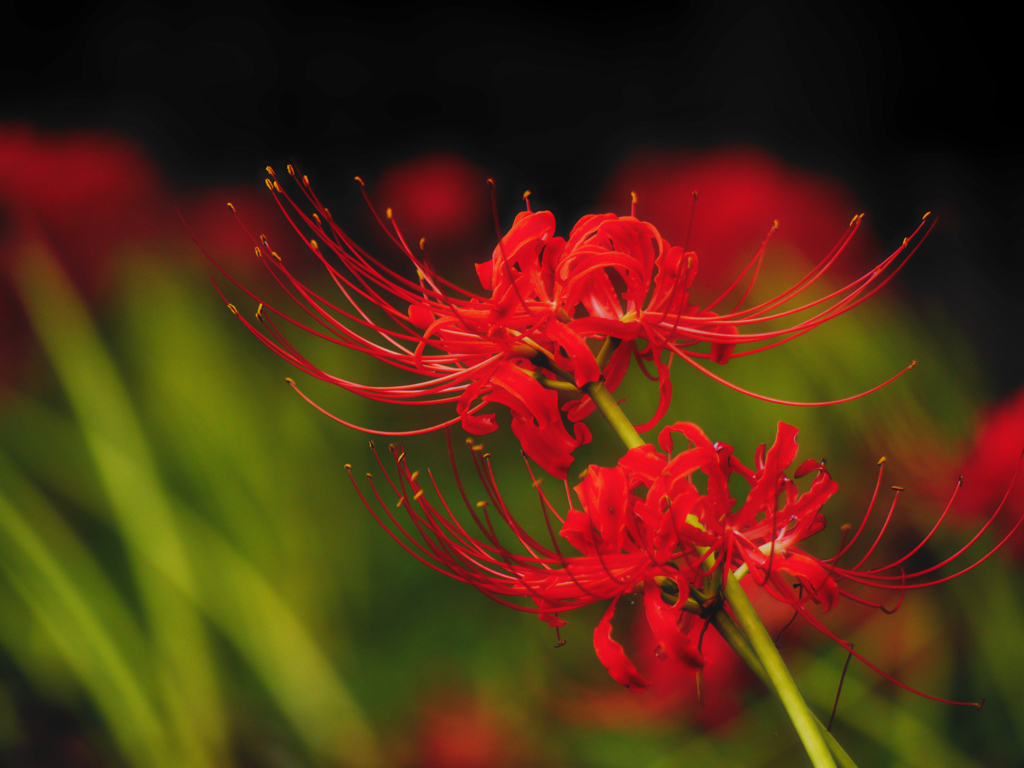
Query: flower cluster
<point x="644" y="526"/>
<point x="551" y="336"/>
<point x="555" y="314"/>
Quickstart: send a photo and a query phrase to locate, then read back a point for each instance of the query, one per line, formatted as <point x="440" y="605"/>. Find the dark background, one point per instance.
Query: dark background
<point x="913" y="110"/>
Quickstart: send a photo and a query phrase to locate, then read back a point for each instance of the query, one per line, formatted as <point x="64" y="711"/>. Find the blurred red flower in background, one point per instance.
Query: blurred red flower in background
<point x="991" y="464"/>
<point x="80" y="193"/>
<point x="88" y="196"/>
<point x="457" y="730"/>
<point x="441" y="197"/>
<point x="742" y="191"/>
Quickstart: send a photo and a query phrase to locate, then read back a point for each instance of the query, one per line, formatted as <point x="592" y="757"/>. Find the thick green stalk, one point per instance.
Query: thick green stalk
<point x="620" y="422"/>
<point x="734" y="636"/>
<point x="776" y="669"/>
<point x="759" y="644"/>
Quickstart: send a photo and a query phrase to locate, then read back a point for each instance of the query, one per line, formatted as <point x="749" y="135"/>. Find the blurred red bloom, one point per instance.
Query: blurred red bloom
<point x="83" y="194"/>
<point x="991" y="464"/>
<point x="644" y="526"/>
<point x="438" y="197"/>
<point x="742" y="190"/>
<point x="459" y="731"/>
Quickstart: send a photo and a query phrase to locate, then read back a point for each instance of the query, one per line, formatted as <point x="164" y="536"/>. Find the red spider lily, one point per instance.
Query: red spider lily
<point x="644" y="525"/>
<point x="548" y="299"/>
<point x="470" y="350"/>
<point x="653" y="314"/>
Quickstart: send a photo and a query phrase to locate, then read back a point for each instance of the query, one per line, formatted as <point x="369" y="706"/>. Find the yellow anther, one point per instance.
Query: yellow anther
<point x="423" y="240"/>
<point x="481" y="504"/>
<point x="348" y="466"/>
<point x="689" y="261"/>
<point x="388" y="213"/>
<point x="290" y="380"/>
<point x="305" y="179"/>
<point x="478" y="447"/>
<point x="487" y="456"/>
<point x="775" y="225"/>
<point x="854" y="219"/>
<point x="537" y="482"/>
<point x="583" y="474"/>
<point x="259" y="312"/>
<point x="317" y="219"/>
<point x="277" y="188"/>
<point x="369" y="476"/>
<point x="905" y="241"/>
<point x="469" y="441"/>
<point x="359" y="179"/>
<point x="633" y="197"/>
<point x="413" y="476"/>
<point x="898" y="488"/>
<point x="274" y="254"/>
<point x="490" y="181"/>
<point x="259" y="253"/>
<point x="400" y="457"/>
<point x="233" y="308"/>
<point x="231" y="207"/>
<point x="270" y="184"/>
<point x="882" y="460"/>
<point x="926" y="215"/>
<point x="270" y="171"/>
<point x="314" y="245"/>
<point x="845" y="527"/>
<point x="526" y="194"/>
<point x="401" y="501"/>
<point x="418" y="495"/>
<point x="291" y="169"/>
<point x="266" y="243"/>
<point x="912" y="364"/>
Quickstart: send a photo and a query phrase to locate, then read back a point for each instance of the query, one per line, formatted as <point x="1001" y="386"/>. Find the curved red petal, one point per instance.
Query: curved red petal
<point x="614" y="658"/>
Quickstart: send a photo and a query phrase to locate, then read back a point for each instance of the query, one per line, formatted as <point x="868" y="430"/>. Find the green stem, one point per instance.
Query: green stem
<point x="778" y="672"/>
<point x="758" y="645"/>
<point x="734" y="636"/>
<point x="620" y="422"/>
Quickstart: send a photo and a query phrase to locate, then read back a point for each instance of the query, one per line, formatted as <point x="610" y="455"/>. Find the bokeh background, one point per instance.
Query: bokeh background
<point x="187" y="577"/>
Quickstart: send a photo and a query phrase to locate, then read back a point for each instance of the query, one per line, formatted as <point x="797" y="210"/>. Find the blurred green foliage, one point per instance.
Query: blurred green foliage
<point x="186" y="570"/>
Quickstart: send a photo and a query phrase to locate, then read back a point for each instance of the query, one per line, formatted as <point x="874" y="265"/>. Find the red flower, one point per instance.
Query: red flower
<point x="467" y="349"/>
<point x="616" y="284"/>
<point x="650" y="310"/>
<point x="644" y="525"/>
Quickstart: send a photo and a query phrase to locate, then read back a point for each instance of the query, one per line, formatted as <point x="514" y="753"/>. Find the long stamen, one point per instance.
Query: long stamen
<point x="839" y="690"/>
